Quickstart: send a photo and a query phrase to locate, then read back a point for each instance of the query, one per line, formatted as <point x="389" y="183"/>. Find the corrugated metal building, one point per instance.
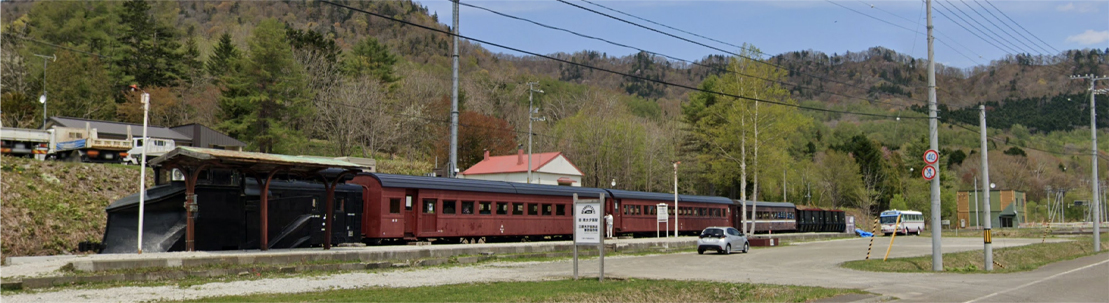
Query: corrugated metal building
<point x="203" y="136"/>
<point x="1008" y="208"/>
<point x="185" y="135"/>
<point x="119" y="130"/>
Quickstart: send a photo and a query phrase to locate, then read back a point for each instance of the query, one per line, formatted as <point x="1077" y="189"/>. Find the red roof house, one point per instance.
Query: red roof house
<point x="546" y="168"/>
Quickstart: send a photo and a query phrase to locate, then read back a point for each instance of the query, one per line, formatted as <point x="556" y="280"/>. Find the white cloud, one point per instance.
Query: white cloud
<point x="1090" y="37"/>
<point x="1080" y="8"/>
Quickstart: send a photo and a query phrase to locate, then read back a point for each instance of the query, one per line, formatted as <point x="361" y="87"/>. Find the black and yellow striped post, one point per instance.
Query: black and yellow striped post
<point x="873" y="233"/>
<point x="1046" y="231"/>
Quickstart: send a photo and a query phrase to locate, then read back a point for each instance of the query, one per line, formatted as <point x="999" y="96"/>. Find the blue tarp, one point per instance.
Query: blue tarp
<point x="863" y="233"/>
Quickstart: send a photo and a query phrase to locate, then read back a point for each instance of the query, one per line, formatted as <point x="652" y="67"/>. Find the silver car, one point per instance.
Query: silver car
<point x="722" y="240"/>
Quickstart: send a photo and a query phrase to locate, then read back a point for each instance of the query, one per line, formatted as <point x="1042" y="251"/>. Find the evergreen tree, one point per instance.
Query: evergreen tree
<point x="150" y="55"/>
<point x="369" y="57"/>
<point x="224" y="58"/>
<point x="267" y="93"/>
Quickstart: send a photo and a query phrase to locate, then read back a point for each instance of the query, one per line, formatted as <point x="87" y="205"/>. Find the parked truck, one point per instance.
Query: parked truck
<point x="22" y="142"/>
<point x="63" y="143"/>
<point x="83" y="144"/>
<point x="157" y="147"/>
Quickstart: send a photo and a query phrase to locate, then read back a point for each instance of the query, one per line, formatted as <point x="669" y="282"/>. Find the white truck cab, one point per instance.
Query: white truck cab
<point x="156" y="148"/>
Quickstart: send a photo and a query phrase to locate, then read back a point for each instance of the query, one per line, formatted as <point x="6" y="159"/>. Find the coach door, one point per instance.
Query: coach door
<point x="410" y="214"/>
<point x="427" y="215"/>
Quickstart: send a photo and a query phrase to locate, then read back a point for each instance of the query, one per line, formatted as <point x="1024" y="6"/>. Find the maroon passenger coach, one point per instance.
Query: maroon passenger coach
<point x="400" y="207"/>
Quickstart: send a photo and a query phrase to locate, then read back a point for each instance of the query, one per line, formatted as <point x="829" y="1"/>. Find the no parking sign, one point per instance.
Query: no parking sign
<point x="928" y="172"/>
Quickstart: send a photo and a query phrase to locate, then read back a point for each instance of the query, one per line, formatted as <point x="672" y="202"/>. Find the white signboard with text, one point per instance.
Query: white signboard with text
<point x="663" y="213"/>
<point x="587" y="221"/>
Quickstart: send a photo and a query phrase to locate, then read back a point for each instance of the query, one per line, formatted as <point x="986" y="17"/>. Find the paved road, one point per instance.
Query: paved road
<point x="817" y="264"/>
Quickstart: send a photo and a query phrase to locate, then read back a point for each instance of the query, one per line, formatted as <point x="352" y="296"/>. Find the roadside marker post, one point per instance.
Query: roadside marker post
<point x="892" y="236"/>
<point x="873" y="233"/>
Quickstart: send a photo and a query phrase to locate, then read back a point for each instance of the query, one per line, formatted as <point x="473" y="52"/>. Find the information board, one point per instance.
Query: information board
<point x="587" y="221"/>
<point x="663" y="213"/>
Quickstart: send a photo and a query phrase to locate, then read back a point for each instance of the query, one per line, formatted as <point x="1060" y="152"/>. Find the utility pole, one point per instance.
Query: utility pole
<point x="933" y="134"/>
<point x="453" y="165"/>
<point x="42" y="99"/>
<point x="987" y="237"/>
<point x="1093" y="155"/>
<point x="532" y="110"/>
<point x="676" y="209"/>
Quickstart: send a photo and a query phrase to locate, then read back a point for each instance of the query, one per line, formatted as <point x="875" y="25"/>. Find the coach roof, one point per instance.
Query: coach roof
<point x="421" y="182"/>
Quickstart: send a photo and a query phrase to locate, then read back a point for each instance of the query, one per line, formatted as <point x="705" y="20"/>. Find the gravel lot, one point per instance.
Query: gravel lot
<point x="491" y="272"/>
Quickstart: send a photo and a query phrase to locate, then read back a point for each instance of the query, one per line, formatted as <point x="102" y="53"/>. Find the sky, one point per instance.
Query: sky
<point x="790" y="25"/>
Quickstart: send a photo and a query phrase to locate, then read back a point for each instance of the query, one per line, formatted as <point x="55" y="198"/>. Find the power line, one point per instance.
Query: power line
<point x="1006" y="48"/>
<point x="1045" y="51"/>
<point x="663" y="25"/>
<point x="968" y="30"/>
<point x="606" y="70"/>
<point x="1021" y="27"/>
<point x="994" y="25"/>
<point x="941" y="41"/>
<point x="717" y="68"/>
<point x="702" y="44"/>
<point x="53" y="45"/>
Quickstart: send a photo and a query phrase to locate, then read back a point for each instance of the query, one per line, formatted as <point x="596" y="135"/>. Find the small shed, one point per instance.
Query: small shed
<point x="1008" y="208"/>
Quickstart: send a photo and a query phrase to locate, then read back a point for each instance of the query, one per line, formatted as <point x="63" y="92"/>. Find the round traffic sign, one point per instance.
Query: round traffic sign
<point x="928" y="172"/>
<point x="931" y="156"/>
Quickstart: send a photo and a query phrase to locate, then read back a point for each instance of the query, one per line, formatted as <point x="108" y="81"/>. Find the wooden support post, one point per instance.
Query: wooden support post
<point x="263" y="212"/>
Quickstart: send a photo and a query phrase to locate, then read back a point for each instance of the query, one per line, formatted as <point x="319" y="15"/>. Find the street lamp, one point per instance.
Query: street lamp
<point x="142" y="168"/>
<point x="42" y="99"/>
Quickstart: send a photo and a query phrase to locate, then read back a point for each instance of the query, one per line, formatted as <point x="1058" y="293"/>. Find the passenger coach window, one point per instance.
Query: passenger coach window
<point x="502" y="208"/>
<point x="467" y="207"/>
<point x="517" y="208"/>
<point x="394" y="206"/>
<point x="560" y="210"/>
<point x="486" y="208"/>
<point x="533" y="209"/>
<point x="448" y="207"/>
<point x="429" y="206"/>
<point x="547" y="209"/>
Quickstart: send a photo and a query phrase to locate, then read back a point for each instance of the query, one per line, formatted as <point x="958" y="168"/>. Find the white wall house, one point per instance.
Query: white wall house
<point x="547" y="168"/>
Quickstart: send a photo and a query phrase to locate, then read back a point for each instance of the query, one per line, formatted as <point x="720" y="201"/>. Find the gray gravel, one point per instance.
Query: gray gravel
<point x="491" y="272"/>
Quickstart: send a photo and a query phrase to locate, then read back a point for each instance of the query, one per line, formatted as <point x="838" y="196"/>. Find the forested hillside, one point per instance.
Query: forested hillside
<point x="305" y="77"/>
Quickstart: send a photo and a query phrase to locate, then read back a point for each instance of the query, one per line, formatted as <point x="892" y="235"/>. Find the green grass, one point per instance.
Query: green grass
<point x="996" y="233"/>
<point x="1008" y="259"/>
<point x="584" y="290"/>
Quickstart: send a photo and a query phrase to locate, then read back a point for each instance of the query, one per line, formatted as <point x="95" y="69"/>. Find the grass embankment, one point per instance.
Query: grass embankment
<point x="50" y="206"/>
<point x="1008" y="259"/>
<point x="584" y="290"/>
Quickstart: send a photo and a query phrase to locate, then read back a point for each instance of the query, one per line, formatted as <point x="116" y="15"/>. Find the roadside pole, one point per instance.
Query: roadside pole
<point x="588" y="218"/>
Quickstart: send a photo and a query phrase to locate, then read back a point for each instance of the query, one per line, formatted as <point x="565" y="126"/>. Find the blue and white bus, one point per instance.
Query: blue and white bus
<point x="911" y="222"/>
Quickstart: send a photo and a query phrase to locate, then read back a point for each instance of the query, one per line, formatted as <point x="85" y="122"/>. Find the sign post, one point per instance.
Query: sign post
<point x="588" y="217"/>
<point x="663" y="214"/>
